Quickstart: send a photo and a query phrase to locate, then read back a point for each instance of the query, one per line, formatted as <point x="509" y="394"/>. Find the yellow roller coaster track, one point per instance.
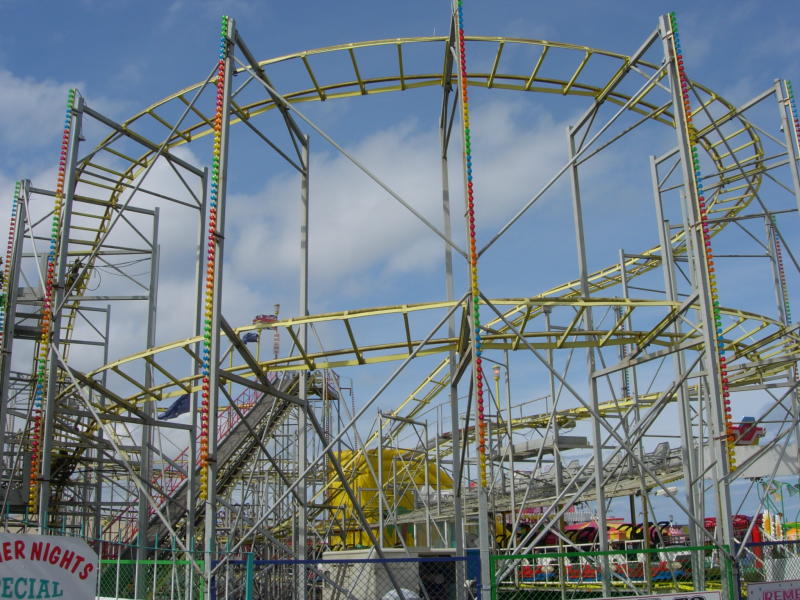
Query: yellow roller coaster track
<point x="736" y="194"/>
<point x="761" y="346"/>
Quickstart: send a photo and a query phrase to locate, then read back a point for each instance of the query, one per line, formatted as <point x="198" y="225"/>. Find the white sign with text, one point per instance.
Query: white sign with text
<point x="46" y="566"/>
<point x="774" y="590"/>
<point x="682" y="596"/>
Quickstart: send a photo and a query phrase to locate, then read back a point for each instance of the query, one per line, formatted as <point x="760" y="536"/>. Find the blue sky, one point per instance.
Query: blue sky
<point x="132" y="53"/>
<point x="124" y="55"/>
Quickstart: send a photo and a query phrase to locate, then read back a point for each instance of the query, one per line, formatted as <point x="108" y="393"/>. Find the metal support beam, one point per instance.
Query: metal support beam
<point x="688" y="452"/>
<point x="10" y="319"/>
<point x="302" y="425"/>
<point x="700" y="276"/>
<point x="48" y="431"/>
<point x="445" y="127"/>
<point x="210" y="533"/>
<point x="146" y="462"/>
<point x="583" y="274"/>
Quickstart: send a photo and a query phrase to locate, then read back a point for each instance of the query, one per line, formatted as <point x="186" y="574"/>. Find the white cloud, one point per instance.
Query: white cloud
<point x="31" y="111"/>
<point x="176" y="10"/>
<point x="359" y="232"/>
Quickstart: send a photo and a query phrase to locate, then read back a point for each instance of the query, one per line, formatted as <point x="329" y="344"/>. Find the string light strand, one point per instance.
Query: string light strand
<point x="12" y="234"/>
<point x="707" y="251"/>
<point x="473" y="254"/>
<point x="47" y="308"/>
<point x="208" y="305"/>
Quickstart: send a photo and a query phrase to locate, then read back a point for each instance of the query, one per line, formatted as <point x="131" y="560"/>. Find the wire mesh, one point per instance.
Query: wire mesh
<point x="159" y="579"/>
<point x="762" y="562"/>
<point x="412" y="578"/>
<point x="630" y="572"/>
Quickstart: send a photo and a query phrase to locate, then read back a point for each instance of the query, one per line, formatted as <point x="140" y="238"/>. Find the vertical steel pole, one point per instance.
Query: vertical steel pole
<point x="718" y="429"/>
<point x="98" y="453"/>
<point x="512" y="466"/>
<point x="302" y="420"/>
<point x="684" y="405"/>
<point x="381" y="538"/>
<point x="790" y="135"/>
<point x="772" y="238"/>
<point x="473" y="312"/>
<point x="48" y="430"/>
<point x="557" y="465"/>
<point x="426" y="466"/>
<point x="216" y="311"/>
<point x="455" y="432"/>
<point x="191" y="480"/>
<point x="600" y="496"/>
<point x="634" y="393"/>
<point x="438" y="464"/>
<point x="12" y="285"/>
<point x="146" y="456"/>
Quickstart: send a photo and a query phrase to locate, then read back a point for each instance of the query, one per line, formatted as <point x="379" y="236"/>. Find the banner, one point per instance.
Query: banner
<point x="681" y="596"/>
<point x="46" y="566"/>
<point x="774" y="590"/>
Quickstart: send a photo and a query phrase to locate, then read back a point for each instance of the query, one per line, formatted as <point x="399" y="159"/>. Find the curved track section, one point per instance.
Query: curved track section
<point x="761" y="348"/>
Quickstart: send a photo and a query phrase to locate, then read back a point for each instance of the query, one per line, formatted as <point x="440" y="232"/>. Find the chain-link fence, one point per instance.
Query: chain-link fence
<point x="410" y="578"/>
<point x="615" y="573"/>
<point x="243" y="577"/>
<point x="765" y="562"/>
<point x="158" y="579"/>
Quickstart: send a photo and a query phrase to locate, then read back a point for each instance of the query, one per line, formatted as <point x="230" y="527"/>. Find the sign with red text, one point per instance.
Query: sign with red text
<point x="774" y="590"/>
<point x="680" y="596"/>
<point x="46" y="566"/>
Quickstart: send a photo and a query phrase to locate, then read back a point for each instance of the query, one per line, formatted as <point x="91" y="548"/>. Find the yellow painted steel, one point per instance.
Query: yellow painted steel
<point x="399" y="347"/>
<point x="775" y="341"/>
<point x="407" y="471"/>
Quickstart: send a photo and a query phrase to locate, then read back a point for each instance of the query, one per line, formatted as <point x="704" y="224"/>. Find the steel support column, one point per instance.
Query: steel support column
<point x="684" y="406"/>
<point x="98" y="453"/>
<point x="445" y="127"/>
<point x="789" y="134"/>
<point x="146" y="456"/>
<point x="215" y="320"/>
<point x="191" y="479"/>
<point x="48" y="432"/>
<point x="302" y="419"/>
<point x="10" y="319"/>
<point x="633" y="391"/>
<point x="597" y="441"/>
<point x="700" y="277"/>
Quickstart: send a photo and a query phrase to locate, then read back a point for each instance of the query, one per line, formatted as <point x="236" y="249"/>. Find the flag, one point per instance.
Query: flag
<point x="250" y="336"/>
<point x="179" y="407"/>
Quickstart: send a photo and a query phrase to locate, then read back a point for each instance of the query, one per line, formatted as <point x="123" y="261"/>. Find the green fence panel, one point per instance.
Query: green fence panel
<point x="163" y="579"/>
<point x="631" y="572"/>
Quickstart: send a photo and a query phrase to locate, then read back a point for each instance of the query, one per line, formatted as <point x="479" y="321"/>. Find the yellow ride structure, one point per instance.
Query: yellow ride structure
<point x="275" y="456"/>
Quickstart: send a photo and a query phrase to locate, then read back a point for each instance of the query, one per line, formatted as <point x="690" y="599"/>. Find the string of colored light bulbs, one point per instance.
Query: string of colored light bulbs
<point x="781" y="274"/>
<point x="208" y="307"/>
<point x="473" y="253"/>
<point x="626" y="380"/>
<point x="47" y="307"/>
<point x="12" y="233"/>
<point x="793" y="109"/>
<point x="787" y="308"/>
<point x="709" y="255"/>
<point x="796" y="121"/>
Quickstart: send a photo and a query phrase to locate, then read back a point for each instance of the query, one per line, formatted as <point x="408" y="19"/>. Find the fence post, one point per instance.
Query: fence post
<point x="493" y="576"/>
<point x="733" y="581"/>
<point x="248" y="587"/>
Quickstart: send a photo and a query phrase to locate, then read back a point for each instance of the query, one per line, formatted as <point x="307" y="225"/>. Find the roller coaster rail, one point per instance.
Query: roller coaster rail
<point x="271" y="459"/>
